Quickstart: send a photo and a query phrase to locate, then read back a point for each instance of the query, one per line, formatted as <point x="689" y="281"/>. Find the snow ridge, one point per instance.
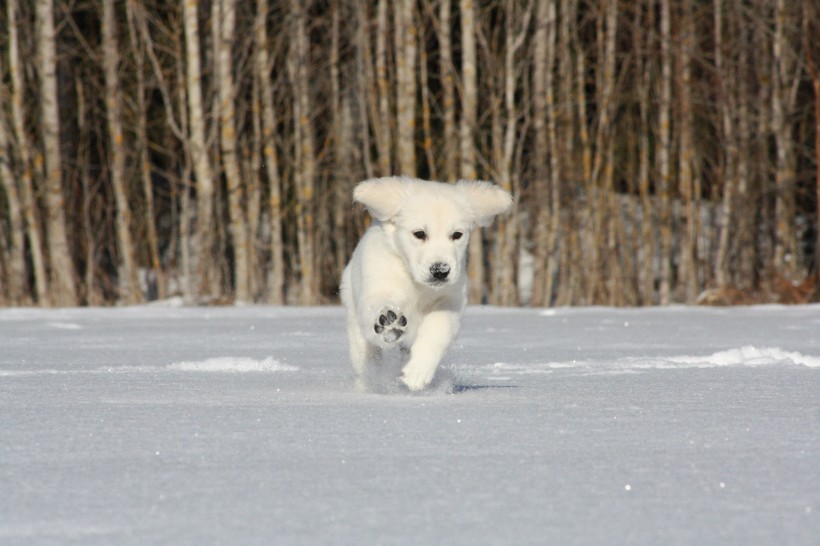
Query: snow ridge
<point x="233" y="364"/>
<point x="747" y="355"/>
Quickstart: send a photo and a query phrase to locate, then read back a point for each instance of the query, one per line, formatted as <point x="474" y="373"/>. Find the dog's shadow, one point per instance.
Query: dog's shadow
<point x="460" y="389"/>
<point x="385" y="380"/>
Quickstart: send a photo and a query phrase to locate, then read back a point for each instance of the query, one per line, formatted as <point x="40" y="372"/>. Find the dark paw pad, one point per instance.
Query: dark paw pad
<point x="390" y="325"/>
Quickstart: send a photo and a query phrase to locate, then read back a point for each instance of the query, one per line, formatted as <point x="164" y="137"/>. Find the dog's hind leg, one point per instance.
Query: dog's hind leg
<point x="361" y="356"/>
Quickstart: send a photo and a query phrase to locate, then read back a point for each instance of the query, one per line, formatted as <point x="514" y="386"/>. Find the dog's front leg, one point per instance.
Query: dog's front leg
<point x="436" y="331"/>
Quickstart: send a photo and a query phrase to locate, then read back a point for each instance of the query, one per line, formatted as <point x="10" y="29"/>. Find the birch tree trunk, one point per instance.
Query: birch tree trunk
<point x="405" y="43"/>
<point x="150" y="216"/>
<point x="647" y="274"/>
<point x="614" y="263"/>
<point x="722" y="270"/>
<point x="129" y="284"/>
<point x="785" y="251"/>
<point x="298" y="62"/>
<point x="64" y="291"/>
<point x="469" y="114"/>
<point x="810" y="28"/>
<point x="199" y="153"/>
<point x="540" y="296"/>
<point x="228" y="140"/>
<point x="448" y="96"/>
<point x="503" y="266"/>
<point x="747" y="226"/>
<point x="16" y="280"/>
<point x="367" y="94"/>
<point x="276" y="279"/>
<point x="30" y="213"/>
<point x="384" y="140"/>
<point x="686" y="155"/>
<point x="664" y="154"/>
<point x="426" y="116"/>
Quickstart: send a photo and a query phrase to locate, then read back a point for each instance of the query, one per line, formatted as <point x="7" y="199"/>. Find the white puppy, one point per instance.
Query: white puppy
<point x="406" y="284"/>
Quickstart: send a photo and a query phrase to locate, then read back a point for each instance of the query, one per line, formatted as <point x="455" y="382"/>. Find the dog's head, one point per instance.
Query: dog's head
<point x="430" y="222"/>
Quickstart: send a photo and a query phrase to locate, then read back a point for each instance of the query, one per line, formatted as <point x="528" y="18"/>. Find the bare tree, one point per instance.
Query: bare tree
<point x="467" y="127"/>
<point x="144" y="162"/>
<point x="199" y="153"/>
<point x="16" y="278"/>
<point x="305" y="158"/>
<point x="64" y="292"/>
<point x="448" y="95"/>
<point x="129" y="285"/>
<point x="406" y="53"/>
<point x="228" y="141"/>
<point x="810" y="27"/>
<point x="276" y="281"/>
<point x="383" y="132"/>
<point x="24" y="153"/>
<point x="664" y="152"/>
<point x="785" y="72"/>
<point x="728" y="166"/>
<point x="687" y="180"/>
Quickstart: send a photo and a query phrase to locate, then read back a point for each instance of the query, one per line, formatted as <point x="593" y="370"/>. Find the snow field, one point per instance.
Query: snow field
<point x="564" y="426"/>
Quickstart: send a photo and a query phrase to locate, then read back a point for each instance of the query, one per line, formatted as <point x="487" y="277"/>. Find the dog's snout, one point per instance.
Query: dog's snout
<point x="440" y="271"/>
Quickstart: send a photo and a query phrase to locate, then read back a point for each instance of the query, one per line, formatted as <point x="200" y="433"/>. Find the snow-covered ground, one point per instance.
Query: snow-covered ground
<point x="239" y="425"/>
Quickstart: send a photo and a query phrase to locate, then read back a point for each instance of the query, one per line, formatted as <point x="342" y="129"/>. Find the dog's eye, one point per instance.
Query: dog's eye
<point x="420" y="235"/>
<point x="456" y="235"/>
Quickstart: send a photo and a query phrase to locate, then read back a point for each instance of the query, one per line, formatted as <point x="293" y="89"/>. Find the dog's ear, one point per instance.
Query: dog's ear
<point x="383" y="197"/>
<point x="486" y="200"/>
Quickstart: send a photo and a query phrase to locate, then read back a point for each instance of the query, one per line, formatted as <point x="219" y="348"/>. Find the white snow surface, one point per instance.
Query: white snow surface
<point x="239" y="425"/>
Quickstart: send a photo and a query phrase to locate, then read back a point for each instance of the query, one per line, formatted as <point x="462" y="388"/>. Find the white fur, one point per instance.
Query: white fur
<point x="393" y="269"/>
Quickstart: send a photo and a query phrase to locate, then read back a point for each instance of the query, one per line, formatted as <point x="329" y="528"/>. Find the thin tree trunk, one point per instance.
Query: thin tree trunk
<point x="16" y="280"/>
<point x="405" y="43"/>
<point x="746" y="225"/>
<point x="540" y="296"/>
<point x="686" y="156"/>
<point x="469" y="114"/>
<point x="251" y="164"/>
<point x="785" y="252"/>
<point x="503" y="266"/>
<point x="90" y="198"/>
<point x="366" y="92"/>
<point x="129" y="284"/>
<point x="64" y="291"/>
<point x="664" y="153"/>
<point x="722" y="269"/>
<point x="426" y="123"/>
<point x="276" y="279"/>
<point x="618" y="294"/>
<point x="448" y="96"/>
<point x="555" y="172"/>
<point x="343" y="139"/>
<point x="810" y="28"/>
<point x="298" y="61"/>
<point x="144" y="156"/>
<point x="647" y="274"/>
<point x="199" y="154"/>
<point x="30" y="211"/>
<point x="589" y="273"/>
<point x="383" y="134"/>
<point x="228" y="140"/>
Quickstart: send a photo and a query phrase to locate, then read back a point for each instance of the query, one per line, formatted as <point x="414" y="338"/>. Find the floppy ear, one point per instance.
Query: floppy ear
<point x="382" y="196"/>
<point x="486" y="200"/>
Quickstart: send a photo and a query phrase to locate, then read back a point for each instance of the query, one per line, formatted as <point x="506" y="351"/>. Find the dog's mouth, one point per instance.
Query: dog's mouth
<point x="436" y="283"/>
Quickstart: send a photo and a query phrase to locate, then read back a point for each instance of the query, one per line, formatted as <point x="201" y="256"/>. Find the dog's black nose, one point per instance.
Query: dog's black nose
<point x="440" y="271"/>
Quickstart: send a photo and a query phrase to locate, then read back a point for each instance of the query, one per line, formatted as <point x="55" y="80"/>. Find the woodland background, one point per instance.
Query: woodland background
<point x="659" y="151"/>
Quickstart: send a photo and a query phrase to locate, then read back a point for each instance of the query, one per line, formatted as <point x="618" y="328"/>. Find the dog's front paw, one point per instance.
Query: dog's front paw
<point x="417" y="378"/>
<point x="390" y="325"/>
